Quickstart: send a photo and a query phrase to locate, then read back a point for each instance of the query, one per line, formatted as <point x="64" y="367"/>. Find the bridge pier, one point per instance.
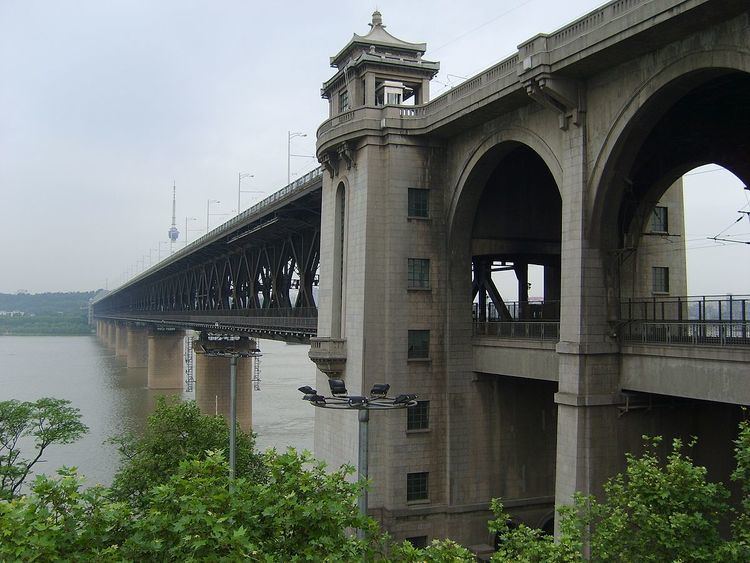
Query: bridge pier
<point x="121" y="340"/>
<point x="137" y="347"/>
<point x="165" y="359"/>
<point x="109" y="334"/>
<point x="212" y="386"/>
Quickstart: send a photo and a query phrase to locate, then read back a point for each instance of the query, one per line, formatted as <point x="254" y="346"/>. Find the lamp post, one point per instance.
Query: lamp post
<point x="377" y="401"/>
<point x="187" y="219"/>
<point x="290" y="135"/>
<point x="208" y="206"/>
<point x="240" y="177"/>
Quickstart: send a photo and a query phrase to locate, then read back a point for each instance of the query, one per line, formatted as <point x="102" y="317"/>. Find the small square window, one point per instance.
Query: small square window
<point x="419" y="273"/>
<point x="660" y="220"/>
<point x="418" y="416"/>
<point x="343" y="100"/>
<point x="420" y="542"/>
<point x="660" y="279"/>
<point x="416" y="486"/>
<point x="419" y="344"/>
<point x="419" y="203"/>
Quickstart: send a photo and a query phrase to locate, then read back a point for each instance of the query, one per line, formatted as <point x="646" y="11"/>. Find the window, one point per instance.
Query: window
<point x="419" y="273"/>
<point x="419" y="203"/>
<point x="418" y="416"/>
<point x="420" y="542"/>
<point x="343" y="100"/>
<point x="393" y="98"/>
<point x="660" y="279"/>
<point x="419" y="344"/>
<point x="416" y="486"/>
<point x="660" y="220"/>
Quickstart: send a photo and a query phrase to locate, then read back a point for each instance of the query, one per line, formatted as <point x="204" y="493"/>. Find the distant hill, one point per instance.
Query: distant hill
<point x="45" y="313"/>
<point x="46" y="303"/>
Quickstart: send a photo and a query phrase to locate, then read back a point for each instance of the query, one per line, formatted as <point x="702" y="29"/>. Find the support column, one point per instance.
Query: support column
<point x="109" y="338"/>
<point x="137" y="347"/>
<point x="212" y="386"/>
<point x="121" y="340"/>
<point x="588" y="452"/>
<point x="165" y="359"/>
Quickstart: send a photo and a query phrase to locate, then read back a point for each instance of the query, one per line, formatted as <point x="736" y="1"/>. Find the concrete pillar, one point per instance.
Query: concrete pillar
<point x="109" y="331"/>
<point x="212" y="386"/>
<point x="121" y="340"/>
<point x="165" y="359"/>
<point x="588" y="451"/>
<point x="137" y="347"/>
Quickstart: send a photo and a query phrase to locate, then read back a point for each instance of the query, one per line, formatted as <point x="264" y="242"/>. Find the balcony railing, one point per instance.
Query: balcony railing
<point x="717" y="308"/>
<point x="695" y="333"/>
<point x="526" y="330"/>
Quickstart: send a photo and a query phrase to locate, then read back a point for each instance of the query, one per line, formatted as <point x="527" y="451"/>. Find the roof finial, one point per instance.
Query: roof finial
<point x="377" y="19"/>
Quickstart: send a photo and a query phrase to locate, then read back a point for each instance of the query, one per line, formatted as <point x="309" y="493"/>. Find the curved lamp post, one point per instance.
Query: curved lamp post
<point x="378" y="400"/>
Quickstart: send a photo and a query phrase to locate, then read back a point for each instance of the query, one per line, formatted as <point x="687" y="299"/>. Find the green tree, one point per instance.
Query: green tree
<point x="177" y="431"/>
<point x="46" y="421"/>
<point x="657" y="510"/>
<point x="439" y="551"/>
<point x="301" y="513"/>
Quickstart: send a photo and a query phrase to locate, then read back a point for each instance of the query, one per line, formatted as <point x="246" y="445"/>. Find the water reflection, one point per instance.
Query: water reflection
<point x="114" y="399"/>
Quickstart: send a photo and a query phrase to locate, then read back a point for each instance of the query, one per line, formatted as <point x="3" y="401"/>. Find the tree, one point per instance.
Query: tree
<point x="657" y="510"/>
<point x="301" y="513"/>
<point x="47" y="421"/>
<point x="177" y="431"/>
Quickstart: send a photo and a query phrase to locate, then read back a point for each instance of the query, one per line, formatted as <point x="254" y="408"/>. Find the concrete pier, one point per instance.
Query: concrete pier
<point x="212" y="386"/>
<point x="121" y="340"/>
<point x="137" y="347"/>
<point x="165" y="359"/>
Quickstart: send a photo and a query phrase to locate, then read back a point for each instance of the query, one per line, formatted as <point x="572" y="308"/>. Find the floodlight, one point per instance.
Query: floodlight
<point x="307" y="390"/>
<point x="337" y="387"/>
<point x="380" y="390"/>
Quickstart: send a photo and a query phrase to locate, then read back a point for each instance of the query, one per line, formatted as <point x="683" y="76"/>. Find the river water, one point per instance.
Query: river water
<point x="114" y="399"/>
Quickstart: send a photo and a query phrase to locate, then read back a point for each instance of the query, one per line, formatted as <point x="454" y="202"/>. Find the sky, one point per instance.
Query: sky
<point x="103" y="105"/>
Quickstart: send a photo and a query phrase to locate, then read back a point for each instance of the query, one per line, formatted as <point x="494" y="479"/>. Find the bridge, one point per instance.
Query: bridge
<point x="563" y="160"/>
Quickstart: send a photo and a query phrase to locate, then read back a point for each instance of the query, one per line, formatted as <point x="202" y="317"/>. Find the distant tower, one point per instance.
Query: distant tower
<point x="173" y="234"/>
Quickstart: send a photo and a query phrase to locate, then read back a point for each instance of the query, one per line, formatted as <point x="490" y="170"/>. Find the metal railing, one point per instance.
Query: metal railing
<point x="695" y="333"/>
<point x="521" y="310"/>
<point x="526" y="330"/>
<point x="719" y="308"/>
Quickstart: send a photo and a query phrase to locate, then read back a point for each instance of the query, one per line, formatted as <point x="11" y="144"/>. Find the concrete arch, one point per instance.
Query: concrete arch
<point x="471" y="172"/>
<point x="656" y="94"/>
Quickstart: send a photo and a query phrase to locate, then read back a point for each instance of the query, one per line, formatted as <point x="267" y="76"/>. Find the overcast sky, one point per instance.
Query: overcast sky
<point x="104" y="104"/>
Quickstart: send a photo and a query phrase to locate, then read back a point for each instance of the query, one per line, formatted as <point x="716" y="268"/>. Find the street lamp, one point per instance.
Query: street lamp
<point x="377" y="401"/>
<point x="208" y="206"/>
<point x="240" y="177"/>
<point x="290" y="135"/>
<point x="186" y="227"/>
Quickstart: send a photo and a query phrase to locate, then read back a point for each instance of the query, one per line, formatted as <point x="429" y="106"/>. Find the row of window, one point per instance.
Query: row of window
<point x="418" y="416"/>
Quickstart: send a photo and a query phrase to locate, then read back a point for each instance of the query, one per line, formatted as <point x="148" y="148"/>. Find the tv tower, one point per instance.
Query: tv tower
<point x="173" y="233"/>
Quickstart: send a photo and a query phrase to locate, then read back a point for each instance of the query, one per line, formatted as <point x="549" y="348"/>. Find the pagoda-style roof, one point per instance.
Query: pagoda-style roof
<point x="378" y="37"/>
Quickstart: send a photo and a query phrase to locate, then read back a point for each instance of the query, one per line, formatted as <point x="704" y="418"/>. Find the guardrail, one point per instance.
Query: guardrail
<point x="526" y="330"/>
<point x="687" y="308"/>
<point x="521" y="310"/>
<point x="695" y="333"/>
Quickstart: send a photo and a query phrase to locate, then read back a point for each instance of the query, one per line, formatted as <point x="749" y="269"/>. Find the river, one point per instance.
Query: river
<point x="114" y="399"/>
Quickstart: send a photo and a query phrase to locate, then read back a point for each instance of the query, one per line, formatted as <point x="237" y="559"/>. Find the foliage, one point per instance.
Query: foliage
<point x="301" y="513"/>
<point x="59" y="521"/>
<point x="741" y="474"/>
<point x="72" y="302"/>
<point x="439" y="551"/>
<point x="657" y="510"/>
<point x="177" y="431"/>
<point x="66" y="324"/>
<point x="46" y="421"/>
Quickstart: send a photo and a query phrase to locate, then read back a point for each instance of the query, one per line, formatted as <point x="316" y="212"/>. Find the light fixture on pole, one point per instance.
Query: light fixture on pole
<point x="378" y="400"/>
<point x="187" y="219"/>
<point x="290" y="135"/>
<point x="241" y="176"/>
<point x="208" y="206"/>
